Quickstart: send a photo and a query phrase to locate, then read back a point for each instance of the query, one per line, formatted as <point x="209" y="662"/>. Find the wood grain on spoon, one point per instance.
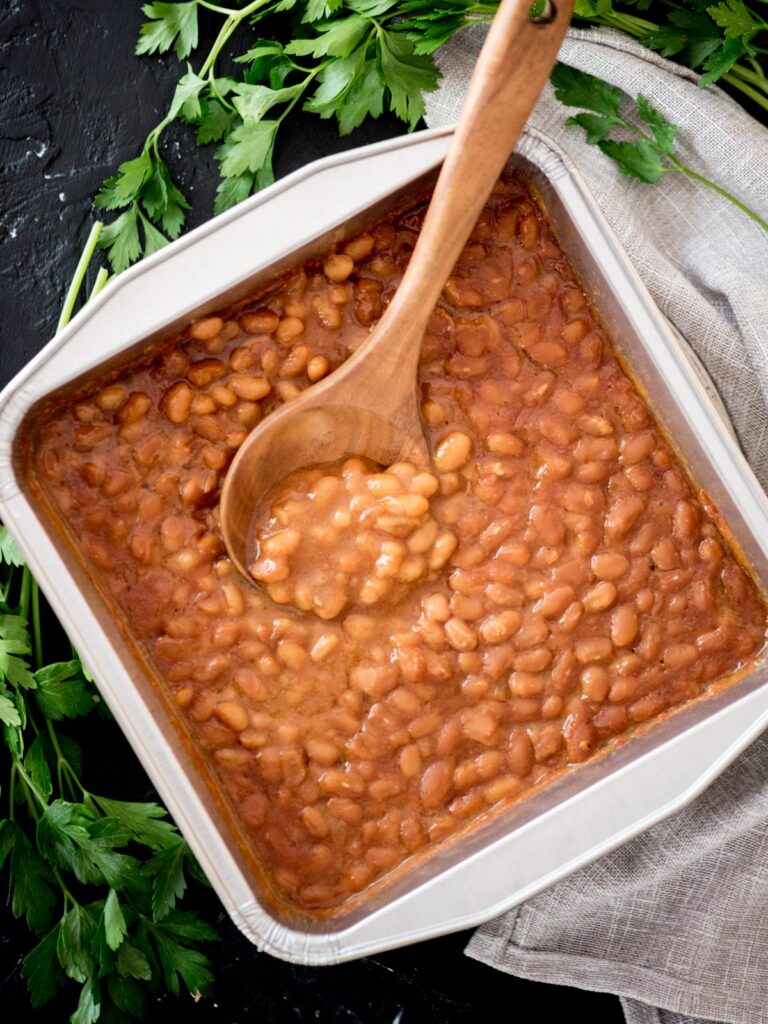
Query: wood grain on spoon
<point x="370" y="406"/>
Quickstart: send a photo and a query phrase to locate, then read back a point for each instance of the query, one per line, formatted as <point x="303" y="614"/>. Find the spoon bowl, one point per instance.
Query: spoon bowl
<point x="370" y="405"/>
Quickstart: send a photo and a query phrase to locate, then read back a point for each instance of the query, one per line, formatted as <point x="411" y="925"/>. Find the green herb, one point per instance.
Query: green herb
<point x="347" y="61"/>
<point x="96" y="879"/>
<point x="351" y="60"/>
<point x="649" y="152"/>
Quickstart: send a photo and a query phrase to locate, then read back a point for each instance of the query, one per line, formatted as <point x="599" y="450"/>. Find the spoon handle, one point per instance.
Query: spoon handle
<point x="510" y="73"/>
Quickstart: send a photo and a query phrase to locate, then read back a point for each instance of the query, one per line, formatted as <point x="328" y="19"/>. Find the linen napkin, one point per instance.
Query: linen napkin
<point x="675" y="922"/>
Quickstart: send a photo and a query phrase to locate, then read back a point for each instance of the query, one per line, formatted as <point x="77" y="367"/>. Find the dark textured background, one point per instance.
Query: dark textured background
<point x="75" y="102"/>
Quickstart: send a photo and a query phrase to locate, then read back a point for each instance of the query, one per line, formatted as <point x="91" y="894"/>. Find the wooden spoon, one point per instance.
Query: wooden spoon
<point x="370" y="405"/>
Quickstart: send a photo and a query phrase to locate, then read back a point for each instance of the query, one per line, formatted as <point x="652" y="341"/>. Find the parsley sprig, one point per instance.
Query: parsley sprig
<point x="96" y="879"/>
<point x="649" y="151"/>
<point x="349" y="61"/>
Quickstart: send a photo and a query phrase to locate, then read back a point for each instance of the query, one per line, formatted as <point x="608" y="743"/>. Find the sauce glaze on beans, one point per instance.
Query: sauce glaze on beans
<point x="585" y="587"/>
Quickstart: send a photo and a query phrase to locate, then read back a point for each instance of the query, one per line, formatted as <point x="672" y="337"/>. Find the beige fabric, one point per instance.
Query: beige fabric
<point x="675" y="922"/>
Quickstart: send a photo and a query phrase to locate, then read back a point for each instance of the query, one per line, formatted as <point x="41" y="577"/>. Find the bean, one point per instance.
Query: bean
<point x="623" y="690"/>
<point x="295" y="362"/>
<point x="677" y="656"/>
<point x="204" y="330"/>
<point x="459" y="635"/>
<point x="624" y="625"/>
<point x="609" y="565"/>
<point x="547" y="741"/>
<point x="135" y="408"/>
<point x="232" y="714"/>
<point x="435" y="784"/>
<point x="360" y="247"/>
<point x="505" y="444"/>
<point x="289" y="329"/>
<point x="580" y="737"/>
<point x="595" y="683"/>
<point x="665" y="555"/>
<point x="337" y="268"/>
<point x="111" y="397"/>
<point x="595" y="648"/>
<point x="636" y="448"/>
<point x="259" y="321"/>
<point x="519" y="756"/>
<point x="442" y="549"/>
<point x="252" y="389"/>
<point x="623" y="514"/>
<point x="452" y="452"/>
<point x="223" y="396"/>
<point x="317" y="368"/>
<point x="554" y="602"/>
<point x="410" y="761"/>
<point x="499" y="627"/>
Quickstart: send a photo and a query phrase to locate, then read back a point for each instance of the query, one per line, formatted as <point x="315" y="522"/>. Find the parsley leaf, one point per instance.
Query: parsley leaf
<point x="128" y="996"/>
<point x="247" y="148"/>
<point x="179" y="962"/>
<point x="170" y="25"/>
<point x="162" y="199"/>
<point x="663" y="132"/>
<point x="113" y="921"/>
<point x="186" y="98"/>
<point x="691" y="34"/>
<point x="130" y="962"/>
<point x="144" y="822"/>
<point x="121" y="239"/>
<point x="576" y="88"/>
<point x="407" y="75"/>
<point x="61" y="691"/>
<point x="14" y="641"/>
<point x="335" y="39"/>
<point x="36" y="765"/>
<point x="9" y="714"/>
<point x="214" y="122"/>
<point x="42" y="970"/>
<point x="89" y="1005"/>
<point x="721" y="61"/>
<point x="69" y="837"/>
<point x="167" y="869"/>
<point x="154" y="240"/>
<point x="335" y="78"/>
<point x="365" y="98"/>
<point x="735" y="19"/>
<point x="635" y="159"/>
<point x="252" y="102"/>
<point x="30" y="879"/>
<point x="232" y="191"/>
<point x="73" y="946"/>
<point x="125" y="186"/>
<point x="597" y="126"/>
<point x="9" y="551"/>
<point x="317" y="9"/>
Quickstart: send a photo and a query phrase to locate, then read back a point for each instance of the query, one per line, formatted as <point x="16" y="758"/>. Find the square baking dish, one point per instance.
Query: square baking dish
<point x="574" y="819"/>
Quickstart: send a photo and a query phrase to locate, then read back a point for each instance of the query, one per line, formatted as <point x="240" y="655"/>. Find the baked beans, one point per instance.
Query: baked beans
<point x="427" y="643"/>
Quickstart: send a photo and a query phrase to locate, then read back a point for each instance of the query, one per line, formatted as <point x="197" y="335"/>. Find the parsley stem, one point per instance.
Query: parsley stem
<point x="229" y="26"/>
<point x="720" y="191"/>
<point x="37" y="640"/>
<point x="26" y="778"/>
<point x="742" y="86"/>
<point x="12" y="793"/>
<point x="25" y="593"/>
<point x="77" y="280"/>
<point x="227" y="12"/>
<point x="101" y="279"/>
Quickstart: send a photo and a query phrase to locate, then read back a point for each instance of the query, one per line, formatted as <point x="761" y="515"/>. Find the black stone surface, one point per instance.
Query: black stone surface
<point x="75" y="102"/>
